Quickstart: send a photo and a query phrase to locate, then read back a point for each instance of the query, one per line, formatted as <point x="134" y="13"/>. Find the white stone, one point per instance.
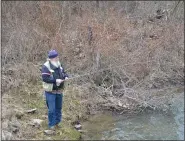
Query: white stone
<point x="44" y="116"/>
<point x="119" y="104"/>
<point x="6" y="135"/>
<point x="37" y="121"/>
<point x="78" y="126"/>
<point x="14" y="126"/>
<point x="31" y="110"/>
<point x="49" y="132"/>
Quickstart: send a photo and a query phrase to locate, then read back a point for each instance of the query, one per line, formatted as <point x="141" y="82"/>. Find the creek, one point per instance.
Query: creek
<point x="150" y="125"/>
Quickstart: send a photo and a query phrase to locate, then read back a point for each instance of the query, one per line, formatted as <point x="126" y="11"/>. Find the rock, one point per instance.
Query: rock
<point x="31" y="110"/>
<point x="159" y="13"/>
<point x="82" y="131"/>
<point x="124" y="106"/>
<point x="8" y="114"/>
<point x="78" y="126"/>
<point x="19" y="114"/>
<point x="49" y="138"/>
<point x="5" y="124"/>
<point x="114" y="130"/>
<point x="14" y="126"/>
<point x="49" y="132"/>
<point x="150" y="19"/>
<point x="36" y="122"/>
<point x="153" y="37"/>
<point x="6" y="135"/>
<point x="44" y="116"/>
<point x="77" y="49"/>
<point x="81" y="55"/>
<point x="159" y="16"/>
<point x="114" y="137"/>
<point x="14" y="129"/>
<point x="120" y="104"/>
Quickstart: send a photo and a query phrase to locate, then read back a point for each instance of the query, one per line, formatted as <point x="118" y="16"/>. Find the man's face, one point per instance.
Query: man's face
<point x="56" y="59"/>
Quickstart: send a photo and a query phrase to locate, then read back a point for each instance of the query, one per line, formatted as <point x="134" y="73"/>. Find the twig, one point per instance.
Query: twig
<point x="140" y="101"/>
<point x="101" y="70"/>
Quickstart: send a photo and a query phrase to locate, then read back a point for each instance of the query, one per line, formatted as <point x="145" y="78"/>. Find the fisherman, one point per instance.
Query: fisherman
<point x="53" y="76"/>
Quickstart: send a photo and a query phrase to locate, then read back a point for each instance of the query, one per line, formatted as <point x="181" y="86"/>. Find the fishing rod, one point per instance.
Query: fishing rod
<point x="101" y="70"/>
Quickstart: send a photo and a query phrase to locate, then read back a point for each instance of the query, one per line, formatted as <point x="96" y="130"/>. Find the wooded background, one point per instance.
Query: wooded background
<point x="123" y="56"/>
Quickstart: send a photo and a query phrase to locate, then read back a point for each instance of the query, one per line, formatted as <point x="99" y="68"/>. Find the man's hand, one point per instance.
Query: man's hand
<point x="66" y="78"/>
<point x="58" y="81"/>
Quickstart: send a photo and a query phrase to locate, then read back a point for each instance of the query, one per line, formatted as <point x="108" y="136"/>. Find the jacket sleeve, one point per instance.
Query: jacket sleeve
<point x="64" y="73"/>
<point x="46" y="75"/>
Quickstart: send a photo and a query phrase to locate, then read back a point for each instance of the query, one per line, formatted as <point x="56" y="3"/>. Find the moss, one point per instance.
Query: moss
<point x="30" y="96"/>
<point x="66" y="132"/>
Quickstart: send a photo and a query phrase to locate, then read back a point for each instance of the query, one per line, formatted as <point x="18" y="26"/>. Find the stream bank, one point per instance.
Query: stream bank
<point x="148" y="125"/>
<point x="80" y="104"/>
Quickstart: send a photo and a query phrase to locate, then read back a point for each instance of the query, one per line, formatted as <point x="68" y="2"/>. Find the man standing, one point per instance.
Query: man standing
<point x="53" y="76"/>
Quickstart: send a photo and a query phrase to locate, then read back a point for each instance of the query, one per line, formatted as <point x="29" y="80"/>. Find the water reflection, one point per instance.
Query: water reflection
<point x="146" y="126"/>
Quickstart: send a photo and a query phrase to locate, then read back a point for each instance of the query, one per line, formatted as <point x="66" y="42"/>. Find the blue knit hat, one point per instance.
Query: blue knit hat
<point x="52" y="54"/>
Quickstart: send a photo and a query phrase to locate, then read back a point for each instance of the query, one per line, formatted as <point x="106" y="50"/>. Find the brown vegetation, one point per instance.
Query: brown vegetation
<point x="135" y="49"/>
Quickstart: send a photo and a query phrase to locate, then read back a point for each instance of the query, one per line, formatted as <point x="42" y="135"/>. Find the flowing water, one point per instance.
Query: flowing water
<point x="145" y="126"/>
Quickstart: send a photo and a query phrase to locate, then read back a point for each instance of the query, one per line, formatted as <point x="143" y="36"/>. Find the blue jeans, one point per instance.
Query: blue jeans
<point x="54" y="104"/>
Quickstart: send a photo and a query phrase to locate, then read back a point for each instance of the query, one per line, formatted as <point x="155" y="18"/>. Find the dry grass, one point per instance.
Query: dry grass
<point x="143" y="53"/>
<point x="131" y="51"/>
<point x="30" y="96"/>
